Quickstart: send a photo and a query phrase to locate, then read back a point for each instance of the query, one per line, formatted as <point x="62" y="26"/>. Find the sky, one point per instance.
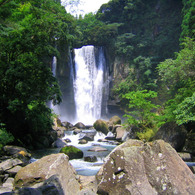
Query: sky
<point x="87" y="6"/>
<point x="92" y="5"/>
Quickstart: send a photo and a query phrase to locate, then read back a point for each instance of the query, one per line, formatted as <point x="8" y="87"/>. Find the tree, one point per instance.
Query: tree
<point x="29" y="38"/>
<point x="178" y="75"/>
<point x="141" y="108"/>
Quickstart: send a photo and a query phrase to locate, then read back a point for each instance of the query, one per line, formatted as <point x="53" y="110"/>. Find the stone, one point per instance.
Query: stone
<point x="67" y="140"/>
<point x="67" y="125"/>
<point x="102" y="126"/>
<point x="80" y="125"/>
<point x="9" y="183"/>
<point x="6" y="190"/>
<point x="76" y="131"/>
<point x="85" y="137"/>
<point x="8" y="164"/>
<point x="59" y="143"/>
<point x="83" y="141"/>
<point x="88" y="135"/>
<point x="51" y="186"/>
<point x="60" y="131"/>
<point x="72" y="152"/>
<point x="185" y="156"/>
<point x="115" y="120"/>
<point x="12" y="172"/>
<point x="173" y="134"/>
<point x="90" y="158"/>
<point x="136" y="167"/>
<point x="15" y="150"/>
<point x="41" y="170"/>
<point x="97" y="149"/>
<point x="121" y="133"/>
<point x="88" y="185"/>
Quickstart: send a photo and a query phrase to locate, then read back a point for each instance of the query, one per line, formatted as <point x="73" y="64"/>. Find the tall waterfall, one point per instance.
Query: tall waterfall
<point x="89" y="83"/>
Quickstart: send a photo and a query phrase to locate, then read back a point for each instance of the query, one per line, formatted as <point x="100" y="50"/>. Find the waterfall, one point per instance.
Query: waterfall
<point x="89" y="82"/>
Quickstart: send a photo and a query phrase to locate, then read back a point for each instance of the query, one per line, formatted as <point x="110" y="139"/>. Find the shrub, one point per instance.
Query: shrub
<point x="5" y="137"/>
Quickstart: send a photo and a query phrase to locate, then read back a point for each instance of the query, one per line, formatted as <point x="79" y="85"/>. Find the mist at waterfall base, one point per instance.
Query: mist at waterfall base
<point x="89" y="78"/>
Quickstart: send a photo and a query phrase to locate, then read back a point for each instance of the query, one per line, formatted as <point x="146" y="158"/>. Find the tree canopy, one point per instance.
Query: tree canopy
<point x="30" y="32"/>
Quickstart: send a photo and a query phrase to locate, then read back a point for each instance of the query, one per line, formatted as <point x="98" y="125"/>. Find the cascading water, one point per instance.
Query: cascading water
<point x="89" y="82"/>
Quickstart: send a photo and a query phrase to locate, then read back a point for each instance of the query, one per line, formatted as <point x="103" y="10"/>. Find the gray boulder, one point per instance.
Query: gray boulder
<point x="173" y="134"/>
<point x="59" y="143"/>
<point x="80" y="125"/>
<point x="145" y="168"/>
<point x="46" y="167"/>
<point x="83" y="141"/>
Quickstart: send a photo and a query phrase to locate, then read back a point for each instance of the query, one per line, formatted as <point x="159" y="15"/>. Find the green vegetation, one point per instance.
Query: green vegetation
<point x="142" y="107"/>
<point x="178" y="76"/>
<point x="31" y="33"/>
<point x="72" y="152"/>
<point x="142" y="37"/>
<point x="5" y="137"/>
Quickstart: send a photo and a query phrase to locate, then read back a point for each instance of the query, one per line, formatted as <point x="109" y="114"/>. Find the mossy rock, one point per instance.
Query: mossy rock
<point x="115" y="120"/>
<point x="101" y="125"/>
<point x="72" y="152"/>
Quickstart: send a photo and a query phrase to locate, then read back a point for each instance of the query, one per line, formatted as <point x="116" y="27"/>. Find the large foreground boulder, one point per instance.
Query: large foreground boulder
<point x="145" y="168"/>
<point x="53" y="165"/>
<point x="173" y="134"/>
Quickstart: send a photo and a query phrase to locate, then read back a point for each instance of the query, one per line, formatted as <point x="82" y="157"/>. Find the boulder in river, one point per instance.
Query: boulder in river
<point x="80" y="125"/>
<point x="53" y="165"/>
<point x="151" y="168"/>
<point x="72" y="152"/>
<point x="101" y="125"/>
<point x="115" y="120"/>
<point x="83" y="141"/>
<point x="97" y="149"/>
<point x="90" y="158"/>
<point x="59" y="143"/>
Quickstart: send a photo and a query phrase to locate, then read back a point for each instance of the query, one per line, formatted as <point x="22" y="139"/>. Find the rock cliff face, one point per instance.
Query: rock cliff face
<point x="145" y="168"/>
<point x="150" y="30"/>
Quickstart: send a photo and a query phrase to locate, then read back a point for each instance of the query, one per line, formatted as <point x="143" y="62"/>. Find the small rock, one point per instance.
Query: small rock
<point x="13" y="171"/>
<point x="8" y="164"/>
<point x="185" y="156"/>
<point x="80" y="125"/>
<point x="83" y="141"/>
<point x="97" y="149"/>
<point x="59" y="143"/>
<point x="9" y="183"/>
<point x="76" y="131"/>
<point x="67" y="140"/>
<point x="90" y="158"/>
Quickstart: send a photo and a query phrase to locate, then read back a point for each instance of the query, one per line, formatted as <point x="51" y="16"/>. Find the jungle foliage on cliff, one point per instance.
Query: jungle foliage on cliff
<point x="153" y="43"/>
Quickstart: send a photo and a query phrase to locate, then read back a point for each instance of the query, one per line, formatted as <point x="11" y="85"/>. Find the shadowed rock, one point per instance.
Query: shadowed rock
<point x="145" y="168"/>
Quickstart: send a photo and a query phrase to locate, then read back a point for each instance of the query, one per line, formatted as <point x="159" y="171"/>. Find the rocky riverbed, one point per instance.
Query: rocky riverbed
<point x="132" y="167"/>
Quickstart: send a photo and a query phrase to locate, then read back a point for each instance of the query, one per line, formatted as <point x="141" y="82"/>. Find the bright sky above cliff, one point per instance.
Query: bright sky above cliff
<point x="85" y="6"/>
